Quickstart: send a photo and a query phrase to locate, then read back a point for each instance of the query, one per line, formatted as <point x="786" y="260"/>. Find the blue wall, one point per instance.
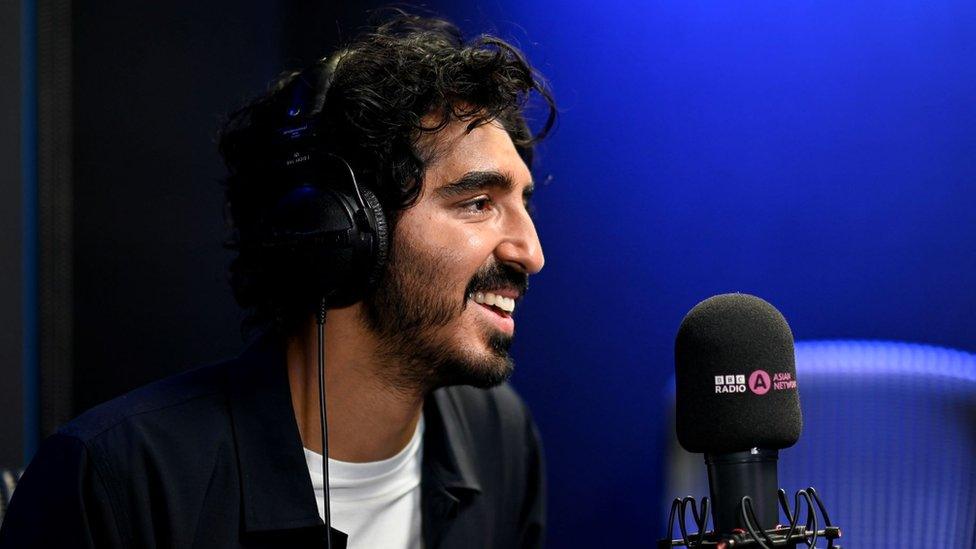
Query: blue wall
<point x="820" y="155"/>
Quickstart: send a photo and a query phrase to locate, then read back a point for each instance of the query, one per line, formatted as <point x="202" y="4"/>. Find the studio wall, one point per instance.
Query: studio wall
<point x="11" y="240"/>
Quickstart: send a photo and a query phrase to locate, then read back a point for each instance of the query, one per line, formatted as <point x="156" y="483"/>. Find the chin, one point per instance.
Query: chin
<point x="492" y="367"/>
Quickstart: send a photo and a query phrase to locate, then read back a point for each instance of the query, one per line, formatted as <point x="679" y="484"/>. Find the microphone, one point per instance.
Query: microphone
<point x="737" y="403"/>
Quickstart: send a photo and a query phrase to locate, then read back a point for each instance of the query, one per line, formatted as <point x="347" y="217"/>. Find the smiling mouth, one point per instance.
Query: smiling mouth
<point x="499" y="304"/>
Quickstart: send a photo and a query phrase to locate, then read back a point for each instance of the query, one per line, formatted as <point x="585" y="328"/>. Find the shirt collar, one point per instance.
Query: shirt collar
<point x="447" y="442"/>
<point x="449" y="474"/>
<point x="276" y="491"/>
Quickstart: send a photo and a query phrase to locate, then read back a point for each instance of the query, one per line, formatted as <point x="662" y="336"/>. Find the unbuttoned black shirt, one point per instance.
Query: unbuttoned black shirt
<point x="213" y="458"/>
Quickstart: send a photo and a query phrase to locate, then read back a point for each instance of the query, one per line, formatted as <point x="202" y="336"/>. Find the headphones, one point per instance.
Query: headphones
<point x="329" y="229"/>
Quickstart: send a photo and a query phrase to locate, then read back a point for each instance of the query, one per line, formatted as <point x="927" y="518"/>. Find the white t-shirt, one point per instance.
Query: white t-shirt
<point x="377" y="504"/>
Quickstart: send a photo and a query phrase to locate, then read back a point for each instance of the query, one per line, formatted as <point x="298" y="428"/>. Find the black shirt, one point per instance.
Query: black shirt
<point x="213" y="458"/>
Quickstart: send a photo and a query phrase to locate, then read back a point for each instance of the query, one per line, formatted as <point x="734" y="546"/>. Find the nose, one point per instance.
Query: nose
<point x="520" y="246"/>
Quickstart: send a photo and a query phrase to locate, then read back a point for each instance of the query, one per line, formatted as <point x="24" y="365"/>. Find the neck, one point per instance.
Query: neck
<point x="367" y="419"/>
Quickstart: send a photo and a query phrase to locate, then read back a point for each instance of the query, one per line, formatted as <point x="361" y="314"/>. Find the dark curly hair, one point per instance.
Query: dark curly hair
<point x="384" y="83"/>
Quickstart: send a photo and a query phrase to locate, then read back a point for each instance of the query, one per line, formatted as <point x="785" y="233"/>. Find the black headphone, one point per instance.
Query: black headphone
<point x="326" y="226"/>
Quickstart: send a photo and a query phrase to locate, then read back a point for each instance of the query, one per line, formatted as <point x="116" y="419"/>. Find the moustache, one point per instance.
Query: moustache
<point x="498" y="275"/>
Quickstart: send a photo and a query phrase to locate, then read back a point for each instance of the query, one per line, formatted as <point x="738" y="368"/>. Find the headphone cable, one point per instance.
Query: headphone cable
<point x="320" y="319"/>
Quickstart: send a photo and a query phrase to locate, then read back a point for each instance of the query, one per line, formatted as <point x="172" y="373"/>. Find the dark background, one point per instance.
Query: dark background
<point x="11" y="240"/>
<point x="820" y="155"/>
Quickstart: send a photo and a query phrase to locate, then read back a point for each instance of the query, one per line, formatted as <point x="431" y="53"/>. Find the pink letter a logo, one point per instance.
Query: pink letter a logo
<point x="759" y="382"/>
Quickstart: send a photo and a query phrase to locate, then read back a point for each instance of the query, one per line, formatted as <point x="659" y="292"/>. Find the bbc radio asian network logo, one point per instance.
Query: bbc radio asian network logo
<point x="759" y="382"/>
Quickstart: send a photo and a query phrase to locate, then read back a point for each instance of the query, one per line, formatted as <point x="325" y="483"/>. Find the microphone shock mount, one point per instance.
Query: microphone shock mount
<point x="753" y="535"/>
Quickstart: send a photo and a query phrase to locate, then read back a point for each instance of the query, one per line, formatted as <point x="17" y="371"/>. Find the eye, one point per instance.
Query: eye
<point x="479" y="206"/>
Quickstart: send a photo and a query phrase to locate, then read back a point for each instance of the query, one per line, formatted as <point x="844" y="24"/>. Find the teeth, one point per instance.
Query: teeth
<point x="506" y="304"/>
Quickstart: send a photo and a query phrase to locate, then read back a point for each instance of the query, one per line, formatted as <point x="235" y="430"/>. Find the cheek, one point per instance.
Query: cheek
<point x="476" y="251"/>
<point x="463" y="247"/>
<point x="453" y="249"/>
<point x="434" y="264"/>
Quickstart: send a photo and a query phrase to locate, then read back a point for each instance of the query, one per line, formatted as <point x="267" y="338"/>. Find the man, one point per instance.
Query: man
<point x="230" y="455"/>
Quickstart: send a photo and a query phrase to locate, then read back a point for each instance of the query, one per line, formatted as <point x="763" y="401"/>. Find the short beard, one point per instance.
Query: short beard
<point x="405" y="311"/>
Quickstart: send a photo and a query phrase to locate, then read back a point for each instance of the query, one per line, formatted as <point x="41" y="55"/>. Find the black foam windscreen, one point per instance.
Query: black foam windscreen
<point x="735" y="377"/>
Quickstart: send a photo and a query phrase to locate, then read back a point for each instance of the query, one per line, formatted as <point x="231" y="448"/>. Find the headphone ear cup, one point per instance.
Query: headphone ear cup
<point x="305" y="256"/>
<point x="381" y="249"/>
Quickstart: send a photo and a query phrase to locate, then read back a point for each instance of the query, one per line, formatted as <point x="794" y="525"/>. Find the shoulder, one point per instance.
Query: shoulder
<point x="156" y="401"/>
<point x="102" y="472"/>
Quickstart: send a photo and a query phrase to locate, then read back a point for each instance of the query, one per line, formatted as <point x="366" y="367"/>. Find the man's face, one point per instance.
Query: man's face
<point x="467" y="241"/>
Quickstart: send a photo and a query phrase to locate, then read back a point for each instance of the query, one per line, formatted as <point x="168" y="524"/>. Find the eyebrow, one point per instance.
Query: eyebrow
<point x="482" y="180"/>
